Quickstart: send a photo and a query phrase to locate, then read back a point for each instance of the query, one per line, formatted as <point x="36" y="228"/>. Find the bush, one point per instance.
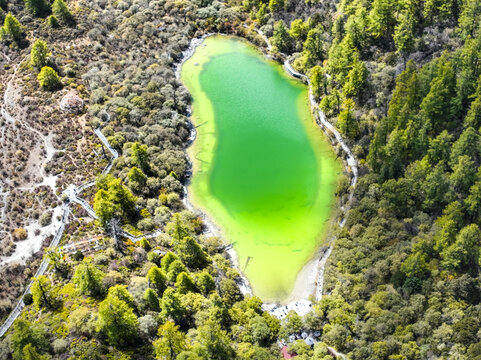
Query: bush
<point x="20" y="234"/>
<point x="28" y="299"/>
<point x="46" y="218"/>
<point x="39" y="53"/>
<point x="52" y="21"/>
<point x="49" y="79"/>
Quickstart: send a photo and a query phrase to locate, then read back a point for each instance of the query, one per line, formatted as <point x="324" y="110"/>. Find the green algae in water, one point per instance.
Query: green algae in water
<point x="263" y="171"/>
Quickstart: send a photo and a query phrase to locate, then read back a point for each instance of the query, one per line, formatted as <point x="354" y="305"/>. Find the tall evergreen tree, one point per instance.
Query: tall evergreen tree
<point x="38" y="54"/>
<point x="38" y="7"/>
<point x="281" y="39"/>
<point x="61" y="11"/>
<point x="88" y="279"/>
<point x="117" y="321"/>
<point x="11" y="30"/>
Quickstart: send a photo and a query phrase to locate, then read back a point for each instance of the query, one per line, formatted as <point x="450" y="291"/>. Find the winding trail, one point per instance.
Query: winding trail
<point x="350" y="162"/>
<point x="302" y="306"/>
<point x="72" y="194"/>
<point x="315" y="283"/>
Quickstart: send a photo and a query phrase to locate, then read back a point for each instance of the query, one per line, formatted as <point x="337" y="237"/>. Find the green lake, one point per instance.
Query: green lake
<point x="263" y="171"/>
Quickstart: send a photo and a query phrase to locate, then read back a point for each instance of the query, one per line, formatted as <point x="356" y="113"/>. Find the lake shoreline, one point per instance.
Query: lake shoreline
<point x="306" y="278"/>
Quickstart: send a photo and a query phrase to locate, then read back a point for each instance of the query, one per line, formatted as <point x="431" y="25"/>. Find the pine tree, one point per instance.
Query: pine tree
<point x="314" y="47"/>
<point x="151" y="299"/>
<point x="318" y="81"/>
<point x="356" y="26"/>
<point x="205" y="283"/>
<point x="184" y="283"/>
<point x="438" y="107"/>
<point x="38" y="54"/>
<point x="88" y="279"/>
<point x="157" y="279"/>
<point x="140" y="157"/>
<point x="404" y="35"/>
<point x="356" y="80"/>
<point x="276" y="5"/>
<point x="61" y="11"/>
<point x="42" y="294"/>
<point x="25" y="333"/>
<point x="469" y="18"/>
<point x="473" y="117"/>
<point x="53" y="22"/>
<point x="191" y="253"/>
<point x="103" y="206"/>
<point x="11" y="30"/>
<point x="117" y="321"/>
<point x="382" y="18"/>
<point x="171" y="341"/>
<point x="49" y="79"/>
<point x="172" y="307"/>
<point x="137" y="179"/>
<point x="347" y="122"/>
<point x="30" y="353"/>
<point x="281" y="39"/>
<point x="37" y="7"/>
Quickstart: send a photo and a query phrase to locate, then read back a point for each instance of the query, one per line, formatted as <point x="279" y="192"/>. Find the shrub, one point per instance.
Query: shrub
<point x="46" y="218"/>
<point x="28" y="299"/>
<point x="49" y="79"/>
<point x="20" y="234"/>
<point x="52" y="21"/>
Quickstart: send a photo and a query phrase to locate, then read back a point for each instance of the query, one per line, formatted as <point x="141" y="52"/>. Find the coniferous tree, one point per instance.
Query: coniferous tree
<point x="37" y="7"/>
<point x="171" y="341"/>
<point x="469" y="18"/>
<point x="356" y="79"/>
<point x="38" y="54"/>
<point x="347" y="122"/>
<point x="314" y="47"/>
<point x="318" y="81"/>
<point x="61" y="11"/>
<point x="404" y="35"/>
<point x="191" y="253"/>
<point x="117" y="321"/>
<point x="42" y="294"/>
<point x="276" y="5"/>
<point x="382" y="18"/>
<point x="157" y="279"/>
<point x="49" y="79"/>
<point x="30" y="353"/>
<point x="11" y="30"/>
<point x="184" y="283"/>
<point x="151" y="299"/>
<point x="88" y="279"/>
<point x="25" y="333"/>
<point x="53" y="22"/>
<point x="281" y="39"/>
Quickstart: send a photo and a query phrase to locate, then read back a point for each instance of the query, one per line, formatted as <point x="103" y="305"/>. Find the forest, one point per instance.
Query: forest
<point x="401" y="80"/>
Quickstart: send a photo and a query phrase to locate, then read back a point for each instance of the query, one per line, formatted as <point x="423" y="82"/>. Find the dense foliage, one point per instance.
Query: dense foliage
<point x="404" y="87"/>
<point x="400" y="79"/>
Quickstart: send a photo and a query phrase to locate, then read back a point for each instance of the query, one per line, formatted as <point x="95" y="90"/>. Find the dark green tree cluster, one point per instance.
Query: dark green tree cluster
<point x="188" y="307"/>
<point x="59" y="10"/>
<point x="113" y="199"/>
<point x="410" y="252"/>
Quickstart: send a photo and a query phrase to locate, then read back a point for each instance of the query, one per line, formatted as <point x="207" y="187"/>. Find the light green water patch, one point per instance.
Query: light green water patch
<point x="263" y="170"/>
